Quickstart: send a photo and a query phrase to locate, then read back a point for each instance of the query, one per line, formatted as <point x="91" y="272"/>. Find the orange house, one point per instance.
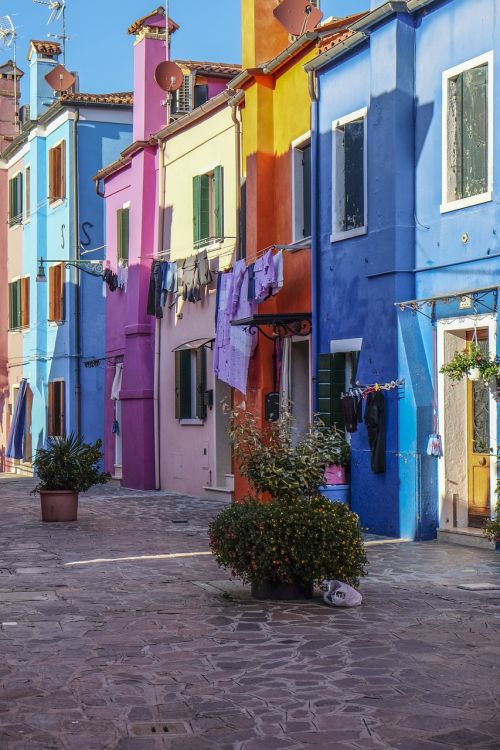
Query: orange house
<point x="274" y="102"/>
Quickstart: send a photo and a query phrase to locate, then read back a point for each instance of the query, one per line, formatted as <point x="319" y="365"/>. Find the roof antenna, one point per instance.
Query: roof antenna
<point x="8" y="39"/>
<point x="57" y="10"/>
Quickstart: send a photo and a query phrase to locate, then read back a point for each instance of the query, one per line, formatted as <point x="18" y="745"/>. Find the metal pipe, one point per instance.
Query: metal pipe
<point x="78" y="342"/>
<point x="315" y="192"/>
<point x="238" y="150"/>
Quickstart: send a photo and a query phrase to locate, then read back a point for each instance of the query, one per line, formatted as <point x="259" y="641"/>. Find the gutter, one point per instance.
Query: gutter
<point x="337" y="51"/>
<point x="315" y="192"/>
<point x="237" y="127"/>
<point x="303" y="41"/>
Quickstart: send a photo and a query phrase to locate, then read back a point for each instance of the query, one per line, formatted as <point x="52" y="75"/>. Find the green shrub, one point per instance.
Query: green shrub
<point x="289" y="541"/>
<point x="492" y="528"/>
<point x="67" y="463"/>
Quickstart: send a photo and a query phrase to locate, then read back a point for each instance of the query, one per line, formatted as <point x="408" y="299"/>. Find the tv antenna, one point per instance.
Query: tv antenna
<point x="168" y="74"/>
<point x="57" y="11"/>
<point x="8" y="40"/>
<point x="298" y="16"/>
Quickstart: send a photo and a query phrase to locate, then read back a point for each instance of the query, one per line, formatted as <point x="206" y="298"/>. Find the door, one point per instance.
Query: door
<point x="118" y="439"/>
<point x="478" y="442"/>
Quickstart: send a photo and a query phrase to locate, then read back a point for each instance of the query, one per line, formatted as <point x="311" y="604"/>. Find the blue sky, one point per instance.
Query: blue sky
<point x="101" y="51"/>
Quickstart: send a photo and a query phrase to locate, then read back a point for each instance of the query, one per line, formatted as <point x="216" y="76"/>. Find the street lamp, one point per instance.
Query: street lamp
<point x="90" y="267"/>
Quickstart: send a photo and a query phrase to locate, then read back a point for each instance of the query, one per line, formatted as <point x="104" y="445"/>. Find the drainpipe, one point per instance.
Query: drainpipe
<point x="237" y="124"/>
<point x="161" y="232"/>
<point x="78" y="342"/>
<point x="313" y="93"/>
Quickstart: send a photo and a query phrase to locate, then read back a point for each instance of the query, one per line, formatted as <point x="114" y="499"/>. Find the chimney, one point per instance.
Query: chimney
<point x="263" y="38"/>
<point x="43" y="57"/>
<point x="149" y="52"/>
<point x="8" y="103"/>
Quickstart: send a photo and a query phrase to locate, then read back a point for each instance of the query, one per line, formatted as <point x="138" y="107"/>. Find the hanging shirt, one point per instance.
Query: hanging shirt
<point x="375" y="424"/>
<point x="265" y="277"/>
<point x="278" y="271"/>
<point x="117" y="382"/>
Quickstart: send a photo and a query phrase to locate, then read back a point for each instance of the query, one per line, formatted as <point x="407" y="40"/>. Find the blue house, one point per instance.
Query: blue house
<point x="406" y="259"/>
<point x="56" y="236"/>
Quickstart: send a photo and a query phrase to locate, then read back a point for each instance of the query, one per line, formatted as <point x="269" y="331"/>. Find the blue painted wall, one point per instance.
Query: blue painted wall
<point x="397" y="75"/>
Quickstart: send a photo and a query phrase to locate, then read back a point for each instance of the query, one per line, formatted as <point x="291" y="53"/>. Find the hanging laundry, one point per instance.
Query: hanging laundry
<point x="375" y="424"/>
<point x="278" y="271"/>
<point x="352" y="412"/>
<point x="117" y="382"/>
<point x="122" y="277"/>
<point x="204" y="275"/>
<point x="15" y="442"/>
<point x="111" y="279"/>
<point x="265" y="277"/>
<point x="168" y="280"/>
<point x="251" y="282"/>
<point x="154" y="294"/>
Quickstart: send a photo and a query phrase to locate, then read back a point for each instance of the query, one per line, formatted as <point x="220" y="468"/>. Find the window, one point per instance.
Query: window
<point x="16" y="200"/>
<point x="19" y="303"/>
<point x="181" y="103"/>
<point x="208" y="208"/>
<point x="200" y="94"/>
<point x="190" y="384"/>
<point x="301" y="187"/>
<point x="336" y="373"/>
<point x="467" y="134"/>
<point x="57" y="172"/>
<point x="56" y="292"/>
<point x="122" y="242"/>
<point x="56" y="423"/>
<point x="349" y="196"/>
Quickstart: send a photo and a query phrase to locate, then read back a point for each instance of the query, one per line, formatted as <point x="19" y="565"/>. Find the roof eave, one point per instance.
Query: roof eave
<point x="217" y="102"/>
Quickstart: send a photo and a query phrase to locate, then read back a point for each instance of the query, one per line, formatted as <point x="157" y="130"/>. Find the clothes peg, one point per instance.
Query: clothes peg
<point x="377" y="387"/>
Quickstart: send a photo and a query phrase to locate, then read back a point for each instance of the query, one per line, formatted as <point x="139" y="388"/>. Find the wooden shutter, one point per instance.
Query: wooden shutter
<point x="475" y="131"/>
<point x="62" y="170"/>
<point x="11" y="202"/>
<point x="51" y="174"/>
<point x="219" y="203"/>
<point x="50" y="411"/>
<point x="12" y="305"/>
<point x="196" y="209"/>
<point x="205" y="207"/>
<point x="123" y="223"/>
<point x="19" y="197"/>
<point x="59" y="291"/>
<point x="201" y="382"/>
<point x="331" y="384"/>
<point x="62" y="408"/>
<point x="177" y="385"/>
<point x="51" y="293"/>
<point x="25" y="302"/>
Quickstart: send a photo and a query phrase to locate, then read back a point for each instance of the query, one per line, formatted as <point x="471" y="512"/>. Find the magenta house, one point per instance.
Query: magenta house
<point x="130" y="189"/>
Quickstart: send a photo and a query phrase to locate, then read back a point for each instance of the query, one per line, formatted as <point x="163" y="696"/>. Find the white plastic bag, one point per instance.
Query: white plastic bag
<point x="340" y="594"/>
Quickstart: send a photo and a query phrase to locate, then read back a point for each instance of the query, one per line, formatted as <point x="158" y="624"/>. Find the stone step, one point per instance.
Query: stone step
<point x="466" y="538"/>
<point x="219" y="493"/>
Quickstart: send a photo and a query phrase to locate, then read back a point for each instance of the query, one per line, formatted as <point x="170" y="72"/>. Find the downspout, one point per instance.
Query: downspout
<point x="78" y="343"/>
<point x="313" y="93"/>
<point x="160" y="238"/>
<point x="237" y="125"/>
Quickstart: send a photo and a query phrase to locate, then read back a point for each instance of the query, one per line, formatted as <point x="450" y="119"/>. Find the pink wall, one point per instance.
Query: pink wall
<point x="4" y="379"/>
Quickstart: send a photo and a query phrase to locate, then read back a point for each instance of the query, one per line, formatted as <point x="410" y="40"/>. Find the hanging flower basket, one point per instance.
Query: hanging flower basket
<point x="473" y="364"/>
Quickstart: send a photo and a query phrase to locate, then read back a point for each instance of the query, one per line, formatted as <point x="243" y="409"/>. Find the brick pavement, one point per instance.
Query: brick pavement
<point x="156" y="652"/>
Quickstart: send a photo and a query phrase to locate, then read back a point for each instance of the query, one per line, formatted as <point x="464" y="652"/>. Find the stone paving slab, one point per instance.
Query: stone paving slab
<point x="120" y="625"/>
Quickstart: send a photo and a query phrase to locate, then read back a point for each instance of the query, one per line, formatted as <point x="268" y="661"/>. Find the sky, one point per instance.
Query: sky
<point x="100" y="49"/>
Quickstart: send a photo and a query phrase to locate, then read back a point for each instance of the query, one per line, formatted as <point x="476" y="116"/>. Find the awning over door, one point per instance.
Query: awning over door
<point x="17" y="427"/>
<point x="195" y="344"/>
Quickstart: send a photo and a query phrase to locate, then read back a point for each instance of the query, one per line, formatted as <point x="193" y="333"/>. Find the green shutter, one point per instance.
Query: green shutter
<point x="475" y="131"/>
<point x="11" y="305"/>
<point x="122" y="242"/>
<point x="11" y="202"/>
<point x="19" y="201"/>
<point x="201" y="382"/>
<point x="177" y="356"/>
<point x="196" y="209"/>
<point x="15" y="304"/>
<point x="331" y="384"/>
<point x="204" y="208"/>
<point x="219" y="203"/>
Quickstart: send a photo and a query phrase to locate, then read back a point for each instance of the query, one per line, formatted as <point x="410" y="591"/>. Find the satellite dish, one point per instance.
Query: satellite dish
<point x="298" y="16"/>
<point x="169" y="76"/>
<point x="60" y="79"/>
<point x="7" y="32"/>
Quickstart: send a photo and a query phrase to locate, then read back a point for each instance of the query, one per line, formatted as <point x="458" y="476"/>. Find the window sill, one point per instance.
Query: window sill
<point x="209" y="246"/>
<point x="300" y="244"/>
<point x="474" y="200"/>
<point x="340" y="236"/>
<point x="55" y="323"/>
<point x="20" y="329"/>
<point x="192" y="422"/>
<point x="56" y="203"/>
<point x="17" y="225"/>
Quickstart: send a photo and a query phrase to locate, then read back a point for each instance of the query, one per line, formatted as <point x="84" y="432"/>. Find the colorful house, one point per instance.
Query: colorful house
<point x="131" y="187"/>
<point x="273" y="97"/>
<point x="56" y="235"/>
<point x="9" y="99"/>
<point x="406" y="258"/>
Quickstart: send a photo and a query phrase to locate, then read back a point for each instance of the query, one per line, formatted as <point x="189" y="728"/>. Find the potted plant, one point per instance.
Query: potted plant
<point x="298" y="537"/>
<point x="66" y="467"/>
<point x="336" y="473"/>
<point x="492" y="528"/>
<point x="472" y="363"/>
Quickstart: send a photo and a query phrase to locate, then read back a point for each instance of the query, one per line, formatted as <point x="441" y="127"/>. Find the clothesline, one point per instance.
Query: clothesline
<point x="364" y="390"/>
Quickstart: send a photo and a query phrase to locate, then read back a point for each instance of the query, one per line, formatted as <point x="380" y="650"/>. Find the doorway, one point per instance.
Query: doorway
<point x="117" y="429"/>
<point x="478" y="441"/>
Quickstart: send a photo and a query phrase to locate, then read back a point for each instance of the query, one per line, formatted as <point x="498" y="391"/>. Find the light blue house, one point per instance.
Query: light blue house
<point x="406" y="257"/>
<point x="57" y="311"/>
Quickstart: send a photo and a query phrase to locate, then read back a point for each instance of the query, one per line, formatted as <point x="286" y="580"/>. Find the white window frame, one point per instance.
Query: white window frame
<point x="193" y="419"/>
<point x="473" y="200"/>
<point x="338" y="165"/>
<point x="298" y="146"/>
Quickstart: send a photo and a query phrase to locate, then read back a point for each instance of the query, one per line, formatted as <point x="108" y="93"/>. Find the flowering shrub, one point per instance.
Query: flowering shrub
<point x="492" y="528"/>
<point x="289" y="541"/>
<point x="469" y="359"/>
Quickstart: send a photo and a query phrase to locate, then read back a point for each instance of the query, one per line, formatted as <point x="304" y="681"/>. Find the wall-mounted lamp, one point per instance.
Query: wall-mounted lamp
<point x="90" y="267"/>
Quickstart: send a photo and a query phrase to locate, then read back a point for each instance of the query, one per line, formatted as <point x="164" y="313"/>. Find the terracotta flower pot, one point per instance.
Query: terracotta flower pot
<point x="281" y="591"/>
<point x="59" y="506"/>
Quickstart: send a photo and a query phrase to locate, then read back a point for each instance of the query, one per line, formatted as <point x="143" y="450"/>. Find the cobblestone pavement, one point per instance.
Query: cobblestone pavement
<point x="110" y="639"/>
